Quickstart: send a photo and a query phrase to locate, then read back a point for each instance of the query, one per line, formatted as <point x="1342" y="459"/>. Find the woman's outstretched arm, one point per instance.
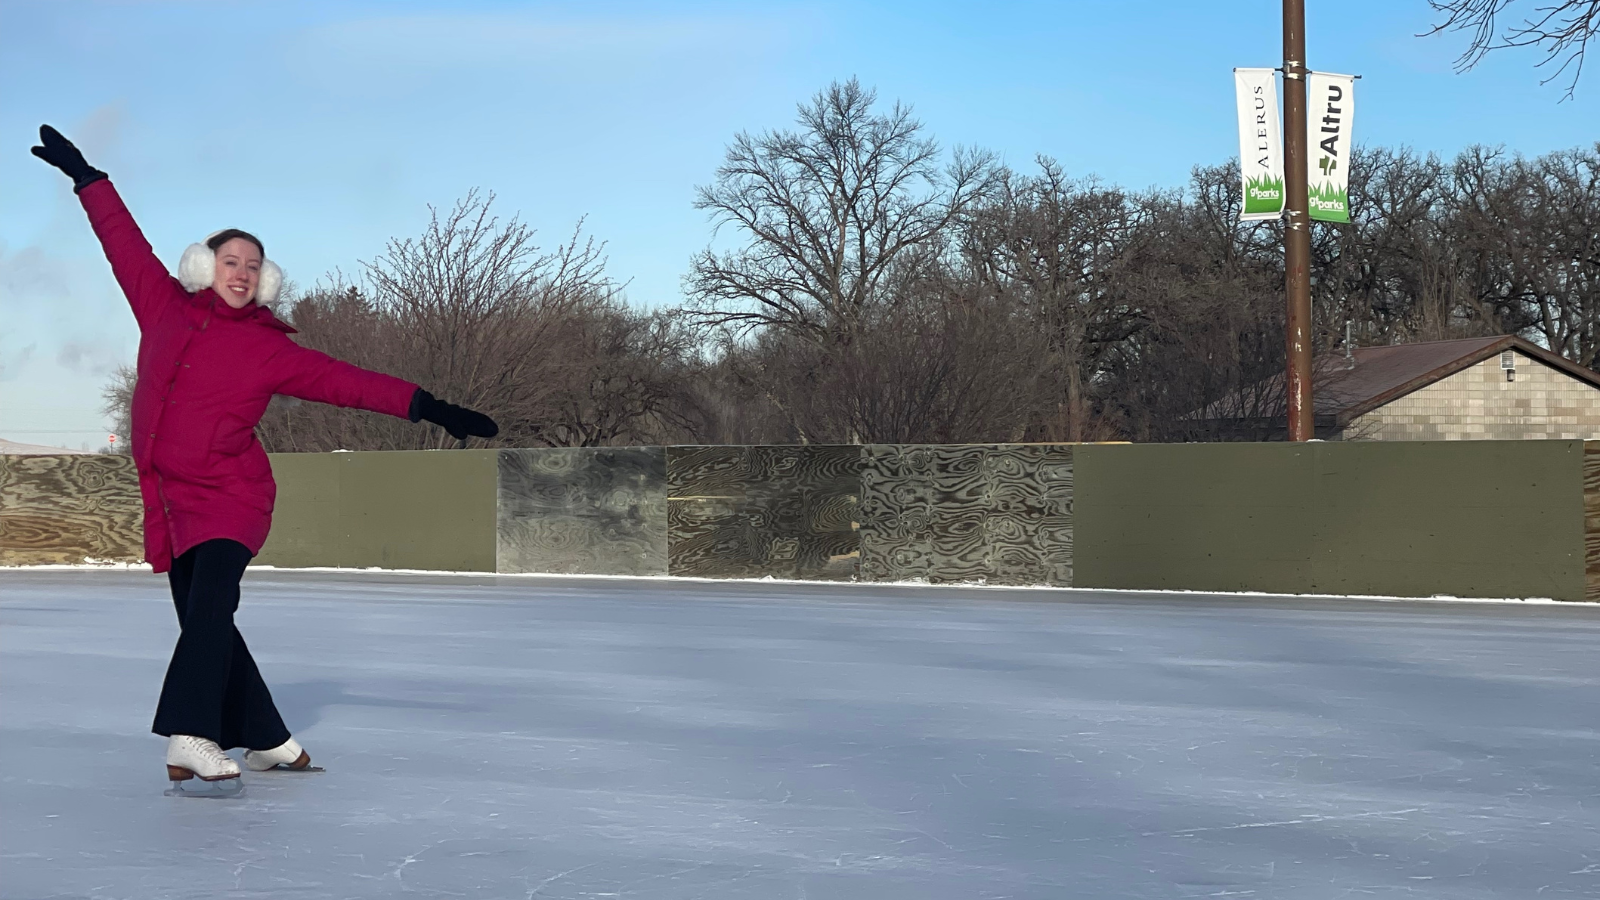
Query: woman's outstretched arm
<point x="312" y="375"/>
<point x="144" y="280"/>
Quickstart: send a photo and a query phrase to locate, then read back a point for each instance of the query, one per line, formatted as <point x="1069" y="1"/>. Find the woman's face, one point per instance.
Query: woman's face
<point x="238" y="272"/>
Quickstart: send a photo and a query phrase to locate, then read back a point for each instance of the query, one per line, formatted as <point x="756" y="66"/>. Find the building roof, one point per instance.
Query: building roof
<point x="1344" y="388"/>
<point x="12" y="448"/>
<point x="1381" y="375"/>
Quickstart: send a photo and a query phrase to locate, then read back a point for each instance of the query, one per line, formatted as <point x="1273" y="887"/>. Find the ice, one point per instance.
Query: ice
<point x="566" y="738"/>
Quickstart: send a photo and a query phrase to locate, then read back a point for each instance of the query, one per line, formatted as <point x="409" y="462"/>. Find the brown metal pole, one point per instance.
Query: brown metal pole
<point x="1297" y="223"/>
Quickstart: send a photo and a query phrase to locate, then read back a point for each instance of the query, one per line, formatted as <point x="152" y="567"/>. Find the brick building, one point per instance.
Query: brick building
<point x="1501" y="388"/>
<point x="1495" y="388"/>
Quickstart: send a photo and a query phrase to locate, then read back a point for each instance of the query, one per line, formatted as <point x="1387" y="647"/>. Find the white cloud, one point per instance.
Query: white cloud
<point x="92" y="357"/>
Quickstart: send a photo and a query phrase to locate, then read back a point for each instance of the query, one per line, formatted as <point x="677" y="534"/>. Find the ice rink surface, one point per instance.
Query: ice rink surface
<point x="566" y="738"/>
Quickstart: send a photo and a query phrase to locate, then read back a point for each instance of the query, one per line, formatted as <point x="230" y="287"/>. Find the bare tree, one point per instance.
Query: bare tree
<point x="117" y="402"/>
<point x="826" y="213"/>
<point x="473" y="310"/>
<point x="1530" y="231"/>
<point x="1210" y="293"/>
<point x="1562" y="28"/>
<point x="629" y="382"/>
<point x="1058" y="249"/>
<point x="1398" y="271"/>
<point x="931" y="369"/>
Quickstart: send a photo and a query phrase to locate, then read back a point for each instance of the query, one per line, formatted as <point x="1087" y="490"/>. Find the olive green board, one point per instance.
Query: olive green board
<point x="414" y="509"/>
<point x="1466" y="519"/>
<point x="1591" y="520"/>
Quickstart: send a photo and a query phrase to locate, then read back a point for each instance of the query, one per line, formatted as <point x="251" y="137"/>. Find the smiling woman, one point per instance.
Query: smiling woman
<point x="240" y="271"/>
<point x="234" y="264"/>
<point x="206" y="373"/>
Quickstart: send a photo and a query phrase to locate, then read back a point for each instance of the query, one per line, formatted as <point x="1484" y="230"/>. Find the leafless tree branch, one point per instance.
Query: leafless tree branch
<point x="1562" y="29"/>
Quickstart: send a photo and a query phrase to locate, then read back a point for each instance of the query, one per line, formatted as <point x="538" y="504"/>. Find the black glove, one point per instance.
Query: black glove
<point x="59" y="152"/>
<point x="458" y="420"/>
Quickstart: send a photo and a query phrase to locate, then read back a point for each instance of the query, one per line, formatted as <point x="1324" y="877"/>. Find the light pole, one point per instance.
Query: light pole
<point x="1297" y="224"/>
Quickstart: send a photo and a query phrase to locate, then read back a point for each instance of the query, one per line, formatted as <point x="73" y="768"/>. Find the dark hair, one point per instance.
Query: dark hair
<point x="222" y="237"/>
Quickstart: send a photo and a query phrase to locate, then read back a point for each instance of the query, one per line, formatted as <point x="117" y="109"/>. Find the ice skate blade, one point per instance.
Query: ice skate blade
<point x="197" y="788"/>
<point x="285" y="768"/>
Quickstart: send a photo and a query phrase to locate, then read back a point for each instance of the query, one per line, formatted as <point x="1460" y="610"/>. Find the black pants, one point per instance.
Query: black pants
<point x="213" y="689"/>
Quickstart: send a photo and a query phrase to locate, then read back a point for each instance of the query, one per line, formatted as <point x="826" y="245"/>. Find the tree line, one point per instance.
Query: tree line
<point x="879" y="288"/>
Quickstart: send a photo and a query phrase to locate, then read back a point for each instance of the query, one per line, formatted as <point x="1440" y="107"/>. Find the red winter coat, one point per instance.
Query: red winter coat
<point x="206" y="373"/>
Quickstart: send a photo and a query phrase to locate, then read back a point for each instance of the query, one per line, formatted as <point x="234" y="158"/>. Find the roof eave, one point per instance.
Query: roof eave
<point x="1351" y="413"/>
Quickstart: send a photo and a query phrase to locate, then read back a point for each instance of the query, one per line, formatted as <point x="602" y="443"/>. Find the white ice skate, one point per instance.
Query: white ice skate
<point x="287" y="756"/>
<point x="190" y="757"/>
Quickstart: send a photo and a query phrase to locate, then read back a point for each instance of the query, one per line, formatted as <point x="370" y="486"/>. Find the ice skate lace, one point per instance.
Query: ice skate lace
<point x="209" y="751"/>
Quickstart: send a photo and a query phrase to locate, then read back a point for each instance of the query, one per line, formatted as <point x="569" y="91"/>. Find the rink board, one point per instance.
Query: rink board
<point x="391" y="509"/>
<point x="752" y="512"/>
<point x="1462" y="518"/>
<point x="582" y="511"/>
<point x="1470" y="518"/>
<point x="68" y="508"/>
<point x="999" y="513"/>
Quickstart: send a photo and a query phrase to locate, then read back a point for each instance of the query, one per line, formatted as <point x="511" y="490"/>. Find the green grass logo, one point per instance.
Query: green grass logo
<point x="1328" y="203"/>
<point x="1263" y="194"/>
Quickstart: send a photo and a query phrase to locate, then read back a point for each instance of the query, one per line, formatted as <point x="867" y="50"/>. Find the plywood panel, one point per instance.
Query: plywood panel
<point x="68" y="509"/>
<point x="749" y="512"/>
<point x="596" y="511"/>
<point x="1000" y="514"/>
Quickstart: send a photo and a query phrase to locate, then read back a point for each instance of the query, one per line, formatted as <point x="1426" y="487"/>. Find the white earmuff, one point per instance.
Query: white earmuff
<point x="198" y="269"/>
<point x="270" y="284"/>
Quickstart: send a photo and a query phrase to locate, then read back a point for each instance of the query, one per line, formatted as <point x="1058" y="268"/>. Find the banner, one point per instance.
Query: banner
<point x="1260" y="143"/>
<point x="1330" y="103"/>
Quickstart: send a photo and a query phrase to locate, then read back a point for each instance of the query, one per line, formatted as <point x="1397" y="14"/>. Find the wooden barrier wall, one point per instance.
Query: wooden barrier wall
<point x="69" y="508"/>
<point x="582" y="511"/>
<point x="996" y="513"/>
<point x="424" y="509"/>
<point x="1458" y="518"/>
<point x="1000" y="513"/>
<point x="1591" y="520"/>
<point x="1482" y="518"/>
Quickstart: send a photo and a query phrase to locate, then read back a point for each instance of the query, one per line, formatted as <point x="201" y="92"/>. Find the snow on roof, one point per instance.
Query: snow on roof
<point x="13" y="448"/>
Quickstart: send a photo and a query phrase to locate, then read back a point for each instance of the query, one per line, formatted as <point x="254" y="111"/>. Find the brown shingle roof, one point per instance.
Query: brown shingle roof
<point x="1384" y="374"/>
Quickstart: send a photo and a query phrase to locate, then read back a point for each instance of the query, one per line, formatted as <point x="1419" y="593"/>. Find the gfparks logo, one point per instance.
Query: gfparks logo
<point x="1326" y="198"/>
<point x="1263" y="194"/>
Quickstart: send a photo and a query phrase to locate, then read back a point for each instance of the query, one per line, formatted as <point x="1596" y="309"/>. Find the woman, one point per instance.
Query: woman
<point x="210" y="358"/>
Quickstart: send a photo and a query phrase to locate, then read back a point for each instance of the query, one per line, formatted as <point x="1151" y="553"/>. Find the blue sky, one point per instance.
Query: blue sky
<point x="329" y="127"/>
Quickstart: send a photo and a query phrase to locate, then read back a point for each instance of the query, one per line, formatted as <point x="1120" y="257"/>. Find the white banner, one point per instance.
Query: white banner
<point x="1260" y="143"/>
<point x="1330" y="107"/>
